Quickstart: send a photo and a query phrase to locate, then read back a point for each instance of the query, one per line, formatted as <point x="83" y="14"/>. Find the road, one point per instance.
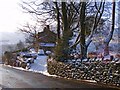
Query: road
<point x="13" y="78"/>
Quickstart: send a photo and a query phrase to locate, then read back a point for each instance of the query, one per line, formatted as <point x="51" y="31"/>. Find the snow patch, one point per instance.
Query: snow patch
<point x="93" y="81"/>
<point x="107" y="57"/>
<point x="20" y="68"/>
<point x="39" y="66"/>
<point x="92" y="47"/>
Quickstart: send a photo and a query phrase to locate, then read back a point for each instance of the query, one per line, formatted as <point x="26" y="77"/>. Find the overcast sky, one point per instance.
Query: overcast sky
<point x="11" y="15"/>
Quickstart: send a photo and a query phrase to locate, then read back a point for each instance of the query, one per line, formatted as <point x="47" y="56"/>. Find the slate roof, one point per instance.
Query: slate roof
<point x="47" y="36"/>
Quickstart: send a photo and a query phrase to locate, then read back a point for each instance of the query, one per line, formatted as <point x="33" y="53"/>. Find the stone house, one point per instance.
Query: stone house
<point x="47" y="39"/>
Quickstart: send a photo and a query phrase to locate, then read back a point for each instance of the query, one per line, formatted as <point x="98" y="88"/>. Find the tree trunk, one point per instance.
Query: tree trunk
<point x="65" y="24"/>
<point x="109" y="37"/>
<point x="58" y="21"/>
<point x="82" y="23"/>
<point x="36" y="46"/>
<point x="65" y="37"/>
<point x="106" y="49"/>
<point x="119" y="27"/>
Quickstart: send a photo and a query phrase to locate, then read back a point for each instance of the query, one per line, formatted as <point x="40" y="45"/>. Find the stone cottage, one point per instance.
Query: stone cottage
<point x="47" y="39"/>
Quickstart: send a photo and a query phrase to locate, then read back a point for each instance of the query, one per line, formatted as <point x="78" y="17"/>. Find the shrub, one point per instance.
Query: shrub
<point x="7" y="57"/>
<point x="23" y="65"/>
<point x="62" y="52"/>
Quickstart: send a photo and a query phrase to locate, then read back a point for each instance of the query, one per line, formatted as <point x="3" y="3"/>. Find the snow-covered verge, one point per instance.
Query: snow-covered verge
<point x="39" y="66"/>
<point x="75" y="70"/>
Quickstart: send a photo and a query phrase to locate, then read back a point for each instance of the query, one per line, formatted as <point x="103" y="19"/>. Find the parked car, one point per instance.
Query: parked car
<point x="30" y="56"/>
<point x="41" y="52"/>
<point x="48" y="52"/>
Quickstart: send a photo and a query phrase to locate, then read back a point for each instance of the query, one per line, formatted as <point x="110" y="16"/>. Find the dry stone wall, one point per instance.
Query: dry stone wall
<point x="107" y="73"/>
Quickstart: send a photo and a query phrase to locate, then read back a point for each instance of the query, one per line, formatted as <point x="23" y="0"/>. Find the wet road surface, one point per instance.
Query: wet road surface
<point x="13" y="78"/>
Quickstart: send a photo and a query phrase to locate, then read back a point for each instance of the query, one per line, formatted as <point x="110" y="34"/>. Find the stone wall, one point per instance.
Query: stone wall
<point x="108" y="73"/>
<point x="61" y="69"/>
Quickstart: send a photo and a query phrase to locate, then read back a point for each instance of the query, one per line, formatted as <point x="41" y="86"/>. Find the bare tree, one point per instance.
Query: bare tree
<point x="82" y="33"/>
<point x="95" y="19"/>
<point x="70" y="16"/>
<point x="109" y="37"/>
<point x="20" y="45"/>
<point x="32" y="31"/>
<point x="58" y="20"/>
<point x="118" y="27"/>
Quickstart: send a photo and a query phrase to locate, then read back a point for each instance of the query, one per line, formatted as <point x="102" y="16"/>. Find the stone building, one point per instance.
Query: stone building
<point x="47" y="39"/>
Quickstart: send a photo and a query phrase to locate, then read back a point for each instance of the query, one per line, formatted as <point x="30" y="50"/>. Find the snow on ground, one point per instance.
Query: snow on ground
<point x="39" y="66"/>
<point x="107" y="57"/>
<point x="20" y="68"/>
<point x="90" y="81"/>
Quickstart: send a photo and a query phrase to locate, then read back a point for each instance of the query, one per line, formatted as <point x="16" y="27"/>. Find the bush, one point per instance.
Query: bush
<point x="61" y="51"/>
<point x="23" y="50"/>
<point x="7" y="57"/>
<point x="23" y="65"/>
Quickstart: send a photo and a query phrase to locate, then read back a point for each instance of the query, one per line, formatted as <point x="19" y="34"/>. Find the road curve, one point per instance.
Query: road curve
<point x="13" y="78"/>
